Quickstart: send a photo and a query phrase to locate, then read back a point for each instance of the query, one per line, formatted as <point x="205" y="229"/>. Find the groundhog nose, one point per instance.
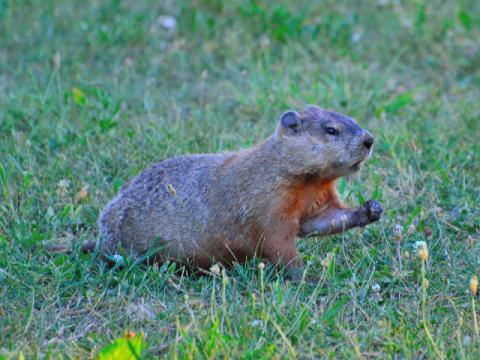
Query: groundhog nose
<point x="368" y="140"/>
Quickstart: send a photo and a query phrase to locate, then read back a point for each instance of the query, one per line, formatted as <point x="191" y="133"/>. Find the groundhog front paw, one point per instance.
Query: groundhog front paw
<point x="373" y="210"/>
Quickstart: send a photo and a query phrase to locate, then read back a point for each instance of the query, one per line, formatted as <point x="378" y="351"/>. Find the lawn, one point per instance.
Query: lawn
<point x="92" y="92"/>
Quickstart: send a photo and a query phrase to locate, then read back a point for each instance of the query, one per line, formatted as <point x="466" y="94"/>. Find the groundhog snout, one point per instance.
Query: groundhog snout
<point x="367" y="139"/>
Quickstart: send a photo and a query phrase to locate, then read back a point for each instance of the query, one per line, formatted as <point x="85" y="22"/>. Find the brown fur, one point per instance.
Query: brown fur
<point x="306" y="197"/>
<point x="229" y="207"/>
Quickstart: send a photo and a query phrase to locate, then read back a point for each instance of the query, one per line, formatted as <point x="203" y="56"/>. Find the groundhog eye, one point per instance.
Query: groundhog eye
<point x="331" y="130"/>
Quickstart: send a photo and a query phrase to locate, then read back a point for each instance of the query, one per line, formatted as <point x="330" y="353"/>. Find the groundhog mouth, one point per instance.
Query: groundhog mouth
<point x="356" y="165"/>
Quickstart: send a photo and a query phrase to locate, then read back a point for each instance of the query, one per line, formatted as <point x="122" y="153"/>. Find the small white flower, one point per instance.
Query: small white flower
<point x="356" y="37"/>
<point x="264" y="41"/>
<point x="118" y="259"/>
<point x="62" y="188"/>
<point x="168" y="22"/>
<point x="422" y="250"/>
<point x="397" y="232"/>
<point x="376" y="287"/>
<point x="215" y="269"/>
<point x="474" y="285"/>
<point x="257" y="322"/>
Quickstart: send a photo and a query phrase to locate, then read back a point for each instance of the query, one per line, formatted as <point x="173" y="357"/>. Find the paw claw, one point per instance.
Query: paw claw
<point x="374" y="210"/>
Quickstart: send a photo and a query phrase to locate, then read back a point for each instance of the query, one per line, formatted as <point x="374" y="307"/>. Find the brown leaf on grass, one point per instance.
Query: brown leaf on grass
<point x="428" y="231"/>
<point x="82" y="194"/>
<point x="414" y="146"/>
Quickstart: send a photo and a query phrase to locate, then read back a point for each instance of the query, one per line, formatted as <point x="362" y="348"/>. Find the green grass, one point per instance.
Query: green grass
<point x="94" y="91"/>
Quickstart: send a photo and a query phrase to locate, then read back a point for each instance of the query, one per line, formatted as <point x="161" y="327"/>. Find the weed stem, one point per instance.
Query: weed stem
<point x="475" y="323"/>
<point x="424" y="319"/>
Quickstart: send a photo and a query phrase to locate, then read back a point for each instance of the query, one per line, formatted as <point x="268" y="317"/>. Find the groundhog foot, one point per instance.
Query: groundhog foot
<point x="369" y="212"/>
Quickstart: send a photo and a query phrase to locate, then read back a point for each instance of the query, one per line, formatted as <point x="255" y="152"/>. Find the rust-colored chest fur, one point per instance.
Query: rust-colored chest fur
<point x="307" y="198"/>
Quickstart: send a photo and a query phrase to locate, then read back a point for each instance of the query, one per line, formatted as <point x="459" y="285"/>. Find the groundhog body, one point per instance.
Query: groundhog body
<point x="229" y="207"/>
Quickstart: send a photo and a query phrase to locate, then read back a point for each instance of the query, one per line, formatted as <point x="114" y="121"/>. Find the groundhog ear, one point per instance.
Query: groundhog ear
<point x="313" y="109"/>
<point x="291" y="121"/>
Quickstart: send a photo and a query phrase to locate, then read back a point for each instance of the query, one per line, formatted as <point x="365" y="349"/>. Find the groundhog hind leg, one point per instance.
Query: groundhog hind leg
<point x="336" y="220"/>
<point x="108" y="229"/>
<point x="110" y="224"/>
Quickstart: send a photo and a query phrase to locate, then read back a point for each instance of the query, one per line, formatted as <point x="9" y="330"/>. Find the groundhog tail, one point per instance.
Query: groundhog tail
<point x="57" y="249"/>
<point x="87" y="247"/>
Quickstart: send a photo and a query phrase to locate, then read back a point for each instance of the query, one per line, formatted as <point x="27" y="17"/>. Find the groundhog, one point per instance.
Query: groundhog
<point x="228" y="207"/>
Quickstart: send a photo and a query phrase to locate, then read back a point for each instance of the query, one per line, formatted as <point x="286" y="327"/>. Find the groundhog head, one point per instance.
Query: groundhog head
<point x="323" y="142"/>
